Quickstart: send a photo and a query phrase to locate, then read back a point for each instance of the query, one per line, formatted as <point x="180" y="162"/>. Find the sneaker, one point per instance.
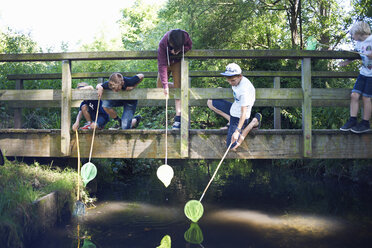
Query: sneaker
<point x="86" y="126"/>
<point x="116" y="126"/>
<point x="360" y="128"/>
<point x="176" y="125"/>
<point x="348" y="125"/>
<point x="138" y="118"/>
<point x="258" y="116"/>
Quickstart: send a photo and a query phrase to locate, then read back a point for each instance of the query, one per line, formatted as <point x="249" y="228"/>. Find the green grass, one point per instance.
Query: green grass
<point x="20" y="185"/>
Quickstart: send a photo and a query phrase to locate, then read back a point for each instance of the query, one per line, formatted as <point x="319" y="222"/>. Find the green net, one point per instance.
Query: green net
<point x="79" y="209"/>
<point x="165" y="174"/>
<point x="88" y="172"/>
<point x="165" y="242"/>
<point x="194" y="234"/>
<point x="311" y="43"/>
<point x="194" y="210"/>
<point x="88" y="244"/>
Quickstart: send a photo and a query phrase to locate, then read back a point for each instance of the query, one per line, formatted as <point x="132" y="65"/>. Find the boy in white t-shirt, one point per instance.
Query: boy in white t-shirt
<point x="361" y="33"/>
<point x="237" y="113"/>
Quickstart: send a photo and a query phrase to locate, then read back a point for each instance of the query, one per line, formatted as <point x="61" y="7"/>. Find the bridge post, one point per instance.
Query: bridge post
<point x="277" y="110"/>
<point x="18" y="111"/>
<point x="306" y="107"/>
<point x="100" y="81"/>
<point x="185" y="109"/>
<point x="66" y="107"/>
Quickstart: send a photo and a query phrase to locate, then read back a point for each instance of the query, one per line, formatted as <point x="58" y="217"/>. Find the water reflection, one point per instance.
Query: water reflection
<point x="316" y="226"/>
<point x="194" y="234"/>
<point x="165" y="242"/>
<point x="247" y="206"/>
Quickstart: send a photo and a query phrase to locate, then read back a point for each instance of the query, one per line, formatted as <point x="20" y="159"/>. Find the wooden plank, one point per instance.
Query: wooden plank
<point x="18" y="110"/>
<point x="66" y="107"/>
<point x="306" y="106"/>
<point x="277" y="111"/>
<point x="30" y="143"/>
<point x="204" y="144"/>
<point x="193" y="54"/>
<point x="185" y="122"/>
<point x="266" y="97"/>
<point x="106" y="75"/>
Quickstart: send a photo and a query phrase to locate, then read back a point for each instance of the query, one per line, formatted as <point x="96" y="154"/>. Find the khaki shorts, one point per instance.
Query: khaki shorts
<point x="175" y="69"/>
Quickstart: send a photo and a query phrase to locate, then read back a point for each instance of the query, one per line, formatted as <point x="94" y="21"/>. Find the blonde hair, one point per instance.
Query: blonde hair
<point x="115" y="79"/>
<point x="361" y="28"/>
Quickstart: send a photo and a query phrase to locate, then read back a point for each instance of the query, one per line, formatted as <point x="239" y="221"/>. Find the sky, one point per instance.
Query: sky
<point x="73" y="21"/>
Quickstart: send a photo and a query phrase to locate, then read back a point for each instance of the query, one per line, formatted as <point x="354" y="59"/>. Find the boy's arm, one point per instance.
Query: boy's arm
<point x="77" y="122"/>
<point x="141" y="77"/>
<point x="238" y="130"/>
<point x="345" y="62"/>
<point x="99" y="90"/>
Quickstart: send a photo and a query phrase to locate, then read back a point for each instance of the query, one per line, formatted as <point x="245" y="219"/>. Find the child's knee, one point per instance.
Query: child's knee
<point x="209" y="104"/>
<point x="355" y="96"/>
<point x="84" y="108"/>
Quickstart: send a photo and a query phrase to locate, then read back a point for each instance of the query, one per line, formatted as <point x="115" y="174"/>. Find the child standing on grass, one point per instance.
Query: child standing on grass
<point x="117" y="83"/>
<point x="361" y="33"/>
<point x="88" y="109"/>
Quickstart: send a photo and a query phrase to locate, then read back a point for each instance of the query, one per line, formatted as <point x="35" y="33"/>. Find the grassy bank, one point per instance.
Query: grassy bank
<point x="20" y="185"/>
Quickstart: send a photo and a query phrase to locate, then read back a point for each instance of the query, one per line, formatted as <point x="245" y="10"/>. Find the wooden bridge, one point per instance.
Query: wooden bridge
<point x="186" y="143"/>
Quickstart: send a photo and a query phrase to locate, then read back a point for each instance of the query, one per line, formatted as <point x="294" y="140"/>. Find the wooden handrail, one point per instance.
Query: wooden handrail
<point x="94" y="75"/>
<point x="193" y="54"/>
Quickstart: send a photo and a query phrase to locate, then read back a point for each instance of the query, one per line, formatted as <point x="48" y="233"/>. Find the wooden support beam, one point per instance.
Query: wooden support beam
<point x="283" y="97"/>
<point x="66" y="107"/>
<point x="277" y="111"/>
<point x="185" y="121"/>
<point x="154" y="74"/>
<point x="204" y="144"/>
<point x="18" y="110"/>
<point x="306" y="107"/>
<point x="193" y="54"/>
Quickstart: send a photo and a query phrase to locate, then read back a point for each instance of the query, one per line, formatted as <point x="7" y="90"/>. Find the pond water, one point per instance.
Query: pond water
<point x="249" y="204"/>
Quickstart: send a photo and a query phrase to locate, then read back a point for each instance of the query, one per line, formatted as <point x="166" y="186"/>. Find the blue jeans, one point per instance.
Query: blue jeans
<point x="129" y="107"/>
<point x="225" y="106"/>
<point x="363" y="86"/>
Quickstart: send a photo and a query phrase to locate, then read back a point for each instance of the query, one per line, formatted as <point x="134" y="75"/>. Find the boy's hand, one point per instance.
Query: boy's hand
<point x="235" y="136"/>
<point x="99" y="90"/>
<point x="166" y="92"/>
<point x="75" y="126"/>
<point x="238" y="143"/>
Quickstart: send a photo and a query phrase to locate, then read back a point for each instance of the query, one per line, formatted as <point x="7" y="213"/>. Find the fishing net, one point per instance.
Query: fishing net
<point x="165" y="174"/>
<point x="194" y="210"/>
<point x="311" y="43"/>
<point x="88" y="172"/>
<point x="79" y="208"/>
<point x="88" y="244"/>
<point x="165" y="242"/>
<point x="194" y="234"/>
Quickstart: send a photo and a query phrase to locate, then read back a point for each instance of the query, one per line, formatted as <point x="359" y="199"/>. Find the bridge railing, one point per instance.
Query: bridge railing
<point x="66" y="98"/>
